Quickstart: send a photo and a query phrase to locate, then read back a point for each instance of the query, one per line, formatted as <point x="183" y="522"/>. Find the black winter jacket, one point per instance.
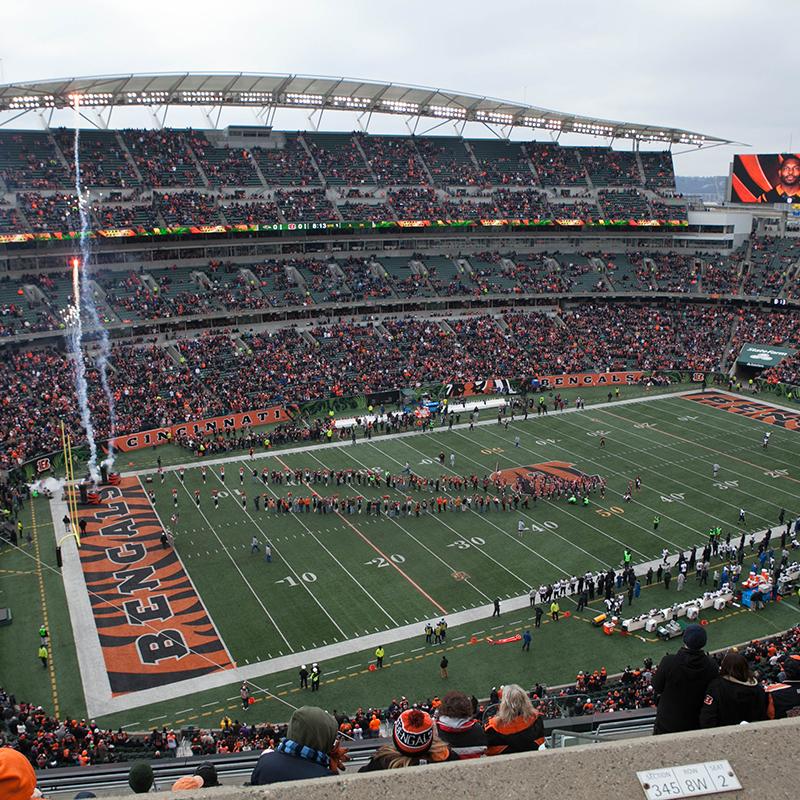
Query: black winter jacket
<point x="680" y="684"/>
<point x="729" y="702"/>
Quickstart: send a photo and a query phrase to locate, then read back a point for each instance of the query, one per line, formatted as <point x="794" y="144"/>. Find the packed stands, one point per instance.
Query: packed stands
<point x="51" y="212"/>
<point x="188" y="208"/>
<point x="306" y="205"/>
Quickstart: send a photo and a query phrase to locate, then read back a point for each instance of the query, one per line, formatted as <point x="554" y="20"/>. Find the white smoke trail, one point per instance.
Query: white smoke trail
<point x="81" y="390"/>
<point x="86" y="291"/>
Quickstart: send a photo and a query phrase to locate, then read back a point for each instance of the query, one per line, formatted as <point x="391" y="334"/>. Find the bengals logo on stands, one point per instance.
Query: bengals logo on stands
<point x="43" y="464"/>
<point x="527" y="477"/>
<point x="698" y="377"/>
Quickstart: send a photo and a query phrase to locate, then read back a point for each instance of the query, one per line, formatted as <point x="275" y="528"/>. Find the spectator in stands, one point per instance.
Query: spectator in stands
<point x="517" y="727"/>
<point x="733" y="697"/>
<point x="140" y="777"/>
<point x="681" y="681"/>
<point x="304" y="753"/>
<point x="17" y="778"/>
<point x="414" y="742"/>
<point x="784" y="697"/>
<point x="458" y="728"/>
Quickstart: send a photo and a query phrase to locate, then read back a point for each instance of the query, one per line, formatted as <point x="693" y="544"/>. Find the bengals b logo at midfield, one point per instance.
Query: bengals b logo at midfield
<point x="527" y="477"/>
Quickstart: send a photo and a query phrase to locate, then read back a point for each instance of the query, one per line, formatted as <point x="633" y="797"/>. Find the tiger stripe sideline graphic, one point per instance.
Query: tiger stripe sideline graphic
<point x="153" y="628"/>
<point x="763" y="412"/>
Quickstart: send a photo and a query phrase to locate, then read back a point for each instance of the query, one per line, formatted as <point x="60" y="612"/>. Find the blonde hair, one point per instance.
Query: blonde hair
<point x="515" y="703"/>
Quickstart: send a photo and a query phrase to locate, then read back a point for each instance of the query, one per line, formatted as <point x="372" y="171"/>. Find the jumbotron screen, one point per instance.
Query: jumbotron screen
<point x="771" y="178"/>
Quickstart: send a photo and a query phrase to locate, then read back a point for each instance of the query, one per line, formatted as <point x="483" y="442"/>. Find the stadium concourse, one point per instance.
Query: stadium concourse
<point x="299" y="308"/>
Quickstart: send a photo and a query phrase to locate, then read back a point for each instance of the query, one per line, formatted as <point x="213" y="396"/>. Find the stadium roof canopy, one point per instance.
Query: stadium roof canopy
<point x="265" y="93"/>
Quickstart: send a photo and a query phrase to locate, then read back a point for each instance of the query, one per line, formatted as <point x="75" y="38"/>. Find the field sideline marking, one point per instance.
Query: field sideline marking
<point x="51" y="667"/>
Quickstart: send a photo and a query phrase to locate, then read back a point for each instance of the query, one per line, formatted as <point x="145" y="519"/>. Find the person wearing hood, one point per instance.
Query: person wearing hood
<point x="680" y="683"/>
<point x="310" y="750"/>
<point x="733" y="697"/>
<point x="458" y="728"/>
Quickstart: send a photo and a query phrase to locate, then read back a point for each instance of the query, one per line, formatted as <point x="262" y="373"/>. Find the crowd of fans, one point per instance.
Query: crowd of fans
<point x="471" y="728"/>
<point x="214" y="374"/>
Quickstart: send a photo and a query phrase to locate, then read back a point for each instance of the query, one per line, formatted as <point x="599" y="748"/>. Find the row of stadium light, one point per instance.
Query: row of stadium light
<point x="31" y="101"/>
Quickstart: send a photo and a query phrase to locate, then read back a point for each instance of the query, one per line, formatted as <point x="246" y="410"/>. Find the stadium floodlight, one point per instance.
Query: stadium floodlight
<point x="147" y="98"/>
<point x="301" y="99"/>
<point x="204" y="97"/>
<point x="448" y="112"/>
<point x="256" y="98"/>
<point x="346" y="101"/>
<point x="495" y="117"/>
<point x="31" y="101"/>
<point x="400" y="106"/>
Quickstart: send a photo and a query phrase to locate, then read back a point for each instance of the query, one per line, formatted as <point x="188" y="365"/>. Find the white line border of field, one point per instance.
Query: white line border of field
<point x="97" y="691"/>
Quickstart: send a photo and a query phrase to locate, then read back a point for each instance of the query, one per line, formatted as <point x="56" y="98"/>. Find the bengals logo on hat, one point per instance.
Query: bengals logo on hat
<point x="709" y="700"/>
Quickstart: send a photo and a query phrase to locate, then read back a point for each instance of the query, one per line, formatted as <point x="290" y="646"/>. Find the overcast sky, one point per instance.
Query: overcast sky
<point x="719" y="67"/>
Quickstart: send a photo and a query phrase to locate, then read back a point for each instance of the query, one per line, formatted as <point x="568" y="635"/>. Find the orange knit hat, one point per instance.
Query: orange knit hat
<point x="17" y="778"/>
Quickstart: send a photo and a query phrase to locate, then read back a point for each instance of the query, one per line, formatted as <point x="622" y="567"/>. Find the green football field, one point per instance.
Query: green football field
<point x="337" y="577"/>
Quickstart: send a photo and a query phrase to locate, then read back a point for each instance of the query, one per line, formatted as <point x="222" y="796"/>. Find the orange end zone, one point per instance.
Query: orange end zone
<point x="153" y="627"/>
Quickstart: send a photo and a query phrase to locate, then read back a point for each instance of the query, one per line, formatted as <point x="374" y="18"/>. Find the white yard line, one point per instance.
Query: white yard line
<point x="344" y="569"/>
<point x="237" y="568"/>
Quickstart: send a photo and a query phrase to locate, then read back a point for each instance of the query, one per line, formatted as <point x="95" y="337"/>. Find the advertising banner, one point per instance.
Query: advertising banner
<point x="763" y="355"/>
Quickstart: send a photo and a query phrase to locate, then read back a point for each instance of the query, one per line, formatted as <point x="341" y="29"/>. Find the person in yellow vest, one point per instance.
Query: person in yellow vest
<point x="379" y="654"/>
<point x="43" y="655"/>
<point x="329" y="433"/>
<point x="555" y="610"/>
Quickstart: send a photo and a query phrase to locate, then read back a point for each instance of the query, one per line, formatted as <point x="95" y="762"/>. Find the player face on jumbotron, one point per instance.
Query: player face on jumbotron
<point x="789" y="173"/>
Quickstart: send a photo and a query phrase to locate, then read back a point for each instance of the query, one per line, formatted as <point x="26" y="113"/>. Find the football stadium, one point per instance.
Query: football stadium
<point x="436" y="444"/>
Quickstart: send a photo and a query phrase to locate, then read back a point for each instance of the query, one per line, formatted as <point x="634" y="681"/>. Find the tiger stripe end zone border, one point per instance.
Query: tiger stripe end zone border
<point x="754" y="409"/>
<point x="152" y="627"/>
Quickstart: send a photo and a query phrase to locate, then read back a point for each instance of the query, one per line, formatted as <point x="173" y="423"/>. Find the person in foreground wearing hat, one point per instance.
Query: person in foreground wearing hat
<point x="458" y="728"/>
<point x="414" y="742"/>
<point x="17" y="778"/>
<point x="784" y="697"/>
<point x="517" y="727"/>
<point x="310" y="750"/>
<point x="734" y="697"/>
<point x="140" y="777"/>
<point x="680" y="683"/>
